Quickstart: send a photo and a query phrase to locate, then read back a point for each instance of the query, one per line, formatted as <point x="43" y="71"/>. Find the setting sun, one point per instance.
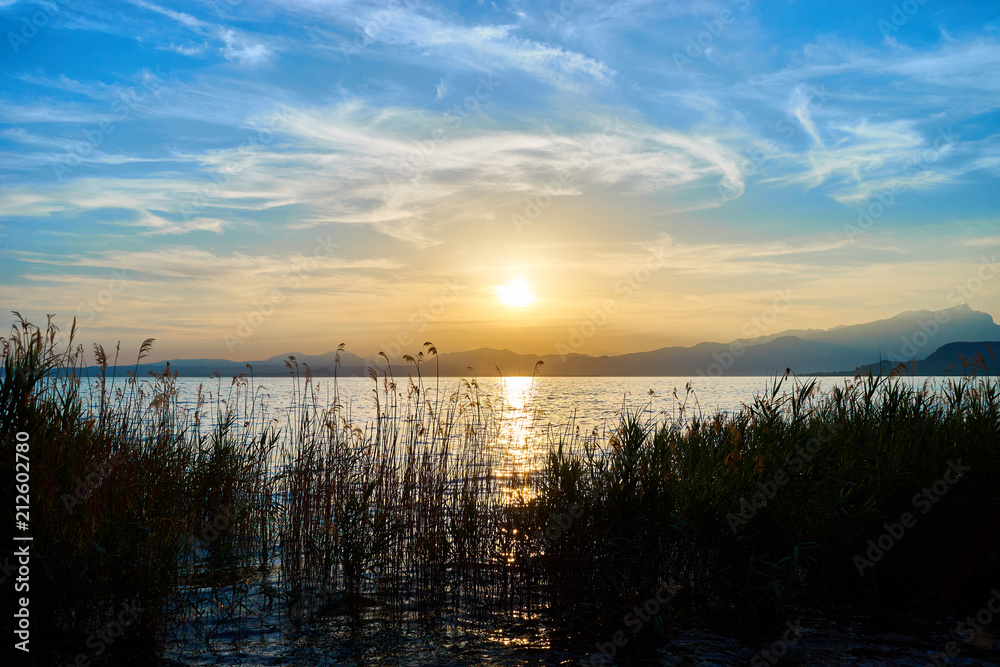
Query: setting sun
<point x="517" y="293"/>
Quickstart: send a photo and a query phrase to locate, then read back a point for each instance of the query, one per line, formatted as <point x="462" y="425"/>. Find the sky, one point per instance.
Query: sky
<point x="240" y="179"/>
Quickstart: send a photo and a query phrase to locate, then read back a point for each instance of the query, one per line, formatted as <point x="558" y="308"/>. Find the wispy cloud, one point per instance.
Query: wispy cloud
<point x="195" y="50"/>
<point x="426" y="31"/>
<point x="186" y="20"/>
<point x="243" y="50"/>
<point x="371" y="156"/>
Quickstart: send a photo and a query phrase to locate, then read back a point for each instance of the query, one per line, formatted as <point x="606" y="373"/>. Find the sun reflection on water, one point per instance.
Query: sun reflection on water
<point x="519" y="446"/>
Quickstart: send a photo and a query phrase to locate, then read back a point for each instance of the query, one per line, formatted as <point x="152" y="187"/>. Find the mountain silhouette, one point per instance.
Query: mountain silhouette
<point x="936" y="340"/>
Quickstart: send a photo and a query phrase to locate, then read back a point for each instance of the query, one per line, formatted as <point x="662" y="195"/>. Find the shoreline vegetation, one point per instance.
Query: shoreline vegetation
<point x="874" y="494"/>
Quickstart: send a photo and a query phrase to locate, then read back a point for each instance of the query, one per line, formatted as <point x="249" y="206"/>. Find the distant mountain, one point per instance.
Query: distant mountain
<point x="937" y="338"/>
<point x="320" y="364"/>
<point x="982" y="357"/>
<point x="910" y="335"/>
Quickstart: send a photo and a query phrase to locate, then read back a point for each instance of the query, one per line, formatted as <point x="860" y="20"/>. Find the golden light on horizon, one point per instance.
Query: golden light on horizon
<point x="516" y="294"/>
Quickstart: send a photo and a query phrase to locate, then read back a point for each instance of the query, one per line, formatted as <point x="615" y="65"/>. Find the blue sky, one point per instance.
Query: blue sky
<point x="240" y="179"/>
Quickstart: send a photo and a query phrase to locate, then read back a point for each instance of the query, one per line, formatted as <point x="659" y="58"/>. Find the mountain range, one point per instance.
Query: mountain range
<point x="929" y="342"/>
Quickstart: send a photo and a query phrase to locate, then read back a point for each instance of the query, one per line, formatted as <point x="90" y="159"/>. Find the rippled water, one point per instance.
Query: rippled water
<point x="901" y="638"/>
<point x="531" y="414"/>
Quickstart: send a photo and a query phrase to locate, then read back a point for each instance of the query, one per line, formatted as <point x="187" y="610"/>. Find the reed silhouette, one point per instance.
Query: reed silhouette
<point x="225" y="515"/>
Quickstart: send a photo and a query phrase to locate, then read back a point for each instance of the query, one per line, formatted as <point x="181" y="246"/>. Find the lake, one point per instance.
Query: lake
<point x="541" y="403"/>
<point x="531" y="414"/>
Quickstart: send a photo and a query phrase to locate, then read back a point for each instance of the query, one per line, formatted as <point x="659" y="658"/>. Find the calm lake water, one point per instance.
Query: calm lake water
<point x="529" y="415"/>
<point x="532" y="413"/>
<point x="592" y="400"/>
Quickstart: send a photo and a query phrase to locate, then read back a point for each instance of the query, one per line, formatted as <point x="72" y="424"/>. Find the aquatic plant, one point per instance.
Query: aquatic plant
<point x="224" y="515"/>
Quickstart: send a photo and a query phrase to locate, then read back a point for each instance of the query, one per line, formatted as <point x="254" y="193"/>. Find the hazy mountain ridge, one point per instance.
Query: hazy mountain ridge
<point x="951" y="359"/>
<point x="927" y="336"/>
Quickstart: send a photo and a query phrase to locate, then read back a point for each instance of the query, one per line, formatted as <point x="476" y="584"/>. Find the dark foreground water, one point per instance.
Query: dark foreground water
<point x="899" y="638"/>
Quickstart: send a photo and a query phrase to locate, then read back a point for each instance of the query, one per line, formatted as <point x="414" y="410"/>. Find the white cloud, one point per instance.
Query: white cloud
<point x="385" y="169"/>
<point x="159" y="225"/>
<point x="488" y="47"/>
<point x="800" y="108"/>
<point x="884" y="119"/>
<point x="196" y="50"/>
<point x="434" y="36"/>
<point x="869" y="156"/>
<point x="200" y="266"/>
<point x="241" y="49"/>
<point x="407" y="173"/>
<point x="66" y="112"/>
<point x="184" y="19"/>
<point x="983" y="242"/>
<point x="795" y="257"/>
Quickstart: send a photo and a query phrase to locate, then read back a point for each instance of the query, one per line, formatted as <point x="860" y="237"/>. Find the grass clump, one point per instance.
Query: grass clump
<point x="774" y="506"/>
<point x="124" y="493"/>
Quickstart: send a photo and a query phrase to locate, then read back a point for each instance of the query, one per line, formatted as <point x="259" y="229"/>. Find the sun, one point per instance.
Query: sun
<point x="516" y="294"/>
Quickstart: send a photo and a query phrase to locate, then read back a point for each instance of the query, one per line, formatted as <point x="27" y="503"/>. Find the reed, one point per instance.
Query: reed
<point x="129" y="499"/>
<point x="225" y="517"/>
<point x="700" y="506"/>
